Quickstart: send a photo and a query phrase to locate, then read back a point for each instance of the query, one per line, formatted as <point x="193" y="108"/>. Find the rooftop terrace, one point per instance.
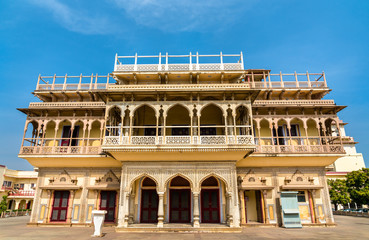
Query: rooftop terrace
<point x="190" y="62"/>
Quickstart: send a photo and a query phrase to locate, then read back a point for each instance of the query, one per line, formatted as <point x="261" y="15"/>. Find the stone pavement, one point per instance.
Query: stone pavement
<point x="347" y="228"/>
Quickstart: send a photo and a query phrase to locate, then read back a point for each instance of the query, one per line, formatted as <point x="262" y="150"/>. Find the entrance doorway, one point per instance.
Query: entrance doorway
<point x="60" y="206"/>
<point x="210" y="205"/>
<point x="179" y="201"/>
<point x="107" y="203"/>
<point x="254" y="206"/>
<point x="149" y="201"/>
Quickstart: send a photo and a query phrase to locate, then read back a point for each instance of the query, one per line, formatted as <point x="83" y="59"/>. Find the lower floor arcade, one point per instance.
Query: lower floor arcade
<point x="191" y="194"/>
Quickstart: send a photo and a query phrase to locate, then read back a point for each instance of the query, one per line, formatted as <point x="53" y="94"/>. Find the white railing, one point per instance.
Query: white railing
<point x="46" y="150"/>
<point x="179" y="140"/>
<point x="121" y="63"/>
<point x="66" y="104"/>
<point x="186" y="87"/>
<point x="178" y="67"/>
<point x="293" y="102"/>
<point x="300" y="149"/>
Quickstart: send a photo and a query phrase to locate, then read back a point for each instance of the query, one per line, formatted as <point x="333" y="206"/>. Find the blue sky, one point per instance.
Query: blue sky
<point x="58" y="37"/>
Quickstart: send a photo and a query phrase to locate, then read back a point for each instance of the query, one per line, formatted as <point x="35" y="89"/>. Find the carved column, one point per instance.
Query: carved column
<point x="314" y="208"/>
<point x="230" y="119"/>
<point x="196" y="212"/>
<point x="130" y="128"/>
<point x="265" y="206"/>
<point x="131" y="208"/>
<point x="48" y="206"/>
<point x="161" y="210"/>
<point x="234" y="126"/>
<point x="126" y="125"/>
<point x="229" y="209"/>
<point x="306" y="133"/>
<point x="97" y="200"/>
<point x="157" y="128"/>
<point x="70" y="206"/>
<point x="126" y="209"/>
<point x="225" y="127"/>
<point x="242" y="206"/>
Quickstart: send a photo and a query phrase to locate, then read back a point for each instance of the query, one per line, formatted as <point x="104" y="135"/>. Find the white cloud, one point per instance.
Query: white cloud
<point x="74" y="20"/>
<point x="185" y="15"/>
<point x="164" y="15"/>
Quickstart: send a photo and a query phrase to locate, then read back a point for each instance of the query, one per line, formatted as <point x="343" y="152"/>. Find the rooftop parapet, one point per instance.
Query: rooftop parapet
<point x="169" y="63"/>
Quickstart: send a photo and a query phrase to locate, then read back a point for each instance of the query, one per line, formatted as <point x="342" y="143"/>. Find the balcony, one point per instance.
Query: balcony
<point x="22" y="193"/>
<point x="64" y="150"/>
<point x="178" y="141"/>
<point x="60" y="136"/>
<point x="184" y="63"/>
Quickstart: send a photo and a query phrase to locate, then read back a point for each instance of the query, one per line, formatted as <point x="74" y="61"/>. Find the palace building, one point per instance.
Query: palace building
<point x="182" y="141"/>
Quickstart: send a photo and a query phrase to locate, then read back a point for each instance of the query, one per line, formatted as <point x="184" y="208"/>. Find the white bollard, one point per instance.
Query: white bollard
<point x="98" y="217"/>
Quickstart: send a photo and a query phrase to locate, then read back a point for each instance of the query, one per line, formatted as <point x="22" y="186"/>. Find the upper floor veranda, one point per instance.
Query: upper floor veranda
<point x="181" y="73"/>
<point x="181" y="126"/>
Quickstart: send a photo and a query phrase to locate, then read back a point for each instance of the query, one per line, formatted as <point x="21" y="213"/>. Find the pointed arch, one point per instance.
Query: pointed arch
<point x="217" y="176"/>
<point x="141" y="177"/>
<point x="134" y="110"/>
<point x="178" y="104"/>
<point x="167" y="181"/>
<point x="209" y="104"/>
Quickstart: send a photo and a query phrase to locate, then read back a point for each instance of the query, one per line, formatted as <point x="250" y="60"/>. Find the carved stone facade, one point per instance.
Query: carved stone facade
<point x="194" y="144"/>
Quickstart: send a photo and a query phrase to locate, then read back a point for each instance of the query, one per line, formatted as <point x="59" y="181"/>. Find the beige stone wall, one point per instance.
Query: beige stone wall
<point x="275" y="178"/>
<point x="81" y="202"/>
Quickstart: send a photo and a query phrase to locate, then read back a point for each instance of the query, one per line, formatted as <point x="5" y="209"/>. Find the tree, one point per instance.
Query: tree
<point x="338" y="191"/>
<point x="3" y="204"/>
<point x="358" y="185"/>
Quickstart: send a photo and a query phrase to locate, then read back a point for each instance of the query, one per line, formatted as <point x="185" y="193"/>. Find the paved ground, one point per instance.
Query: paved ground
<point x="347" y="228"/>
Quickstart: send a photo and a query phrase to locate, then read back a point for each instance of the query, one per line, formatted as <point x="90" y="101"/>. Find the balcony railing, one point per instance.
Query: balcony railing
<point x="65" y="83"/>
<point x="26" y="150"/>
<point x="192" y="63"/>
<point x="248" y="81"/>
<point x="178" y="140"/>
<point x="286" y="80"/>
<point x="22" y="193"/>
<point x="293" y="102"/>
<point x="274" y="145"/>
<point x="60" y="146"/>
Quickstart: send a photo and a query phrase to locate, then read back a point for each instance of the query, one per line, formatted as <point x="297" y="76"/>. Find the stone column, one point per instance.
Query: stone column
<point x="161" y="210"/>
<point x="17" y="202"/>
<point x="242" y="207"/>
<point x="131" y="208"/>
<point x="70" y="206"/>
<point x="48" y="205"/>
<point x="84" y="200"/>
<point x="265" y="206"/>
<point x="37" y="200"/>
<point x="229" y="209"/>
<point x="312" y="194"/>
<point x="196" y="212"/>
<point x="126" y="209"/>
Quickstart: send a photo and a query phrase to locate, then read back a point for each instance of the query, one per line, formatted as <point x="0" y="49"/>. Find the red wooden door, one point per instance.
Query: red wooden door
<point x="180" y="206"/>
<point x="149" y="206"/>
<point x="107" y="203"/>
<point x="60" y="206"/>
<point x="210" y="206"/>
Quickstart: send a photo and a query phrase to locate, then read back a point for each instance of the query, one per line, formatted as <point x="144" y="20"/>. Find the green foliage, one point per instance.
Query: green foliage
<point x="338" y="191"/>
<point x="3" y="204"/>
<point x="358" y="185"/>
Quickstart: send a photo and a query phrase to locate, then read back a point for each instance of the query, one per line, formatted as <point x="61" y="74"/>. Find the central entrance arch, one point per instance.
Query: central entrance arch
<point x="179" y="201"/>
